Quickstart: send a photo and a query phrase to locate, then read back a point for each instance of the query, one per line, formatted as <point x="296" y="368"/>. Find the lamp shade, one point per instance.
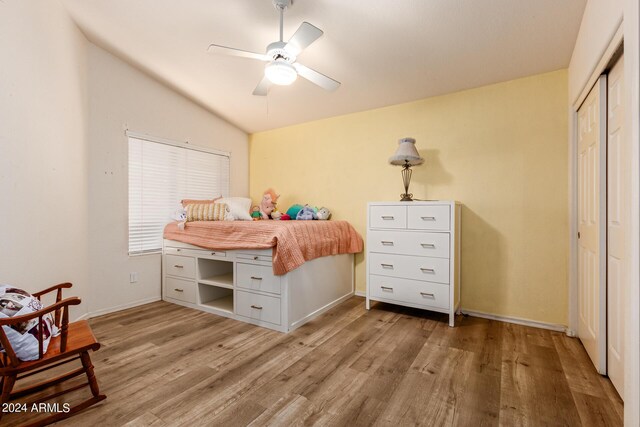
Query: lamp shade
<point x="406" y="154"/>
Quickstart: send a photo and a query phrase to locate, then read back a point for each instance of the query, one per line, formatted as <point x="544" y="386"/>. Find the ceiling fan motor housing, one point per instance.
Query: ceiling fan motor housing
<point x="276" y="50"/>
<point x="281" y="4"/>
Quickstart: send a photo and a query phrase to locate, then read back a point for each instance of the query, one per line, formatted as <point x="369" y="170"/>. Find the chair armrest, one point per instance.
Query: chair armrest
<point x="51" y="289"/>
<point x="16" y="320"/>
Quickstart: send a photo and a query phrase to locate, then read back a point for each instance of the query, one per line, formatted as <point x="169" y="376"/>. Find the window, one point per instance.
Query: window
<point x="162" y="173"/>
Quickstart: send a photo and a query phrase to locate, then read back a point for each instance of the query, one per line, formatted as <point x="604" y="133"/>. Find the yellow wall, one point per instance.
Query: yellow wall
<point x="500" y="150"/>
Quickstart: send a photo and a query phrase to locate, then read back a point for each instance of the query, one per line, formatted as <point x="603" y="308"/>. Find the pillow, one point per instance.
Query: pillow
<point x="23" y="337"/>
<point x="239" y="206"/>
<point x="186" y="202"/>
<point x="208" y="212"/>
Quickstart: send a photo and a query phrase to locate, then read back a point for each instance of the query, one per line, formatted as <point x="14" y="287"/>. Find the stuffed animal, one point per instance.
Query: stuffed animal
<point x="255" y="213"/>
<point x="268" y="203"/>
<point x="285" y="217"/>
<point x="324" y="213"/>
<point x="306" y="213"/>
<point x="180" y="215"/>
<point x="293" y="211"/>
<point x="276" y="214"/>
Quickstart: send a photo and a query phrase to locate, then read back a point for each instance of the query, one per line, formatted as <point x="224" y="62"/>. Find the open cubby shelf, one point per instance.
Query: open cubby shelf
<point x="223" y="280"/>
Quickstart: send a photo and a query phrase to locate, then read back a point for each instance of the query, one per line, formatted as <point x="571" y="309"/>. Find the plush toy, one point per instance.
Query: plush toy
<point x="306" y="213"/>
<point x="324" y="213"/>
<point x="293" y="211"/>
<point x="180" y="215"/>
<point x="285" y="217"/>
<point x="268" y="203"/>
<point x="276" y="214"/>
<point x="255" y="213"/>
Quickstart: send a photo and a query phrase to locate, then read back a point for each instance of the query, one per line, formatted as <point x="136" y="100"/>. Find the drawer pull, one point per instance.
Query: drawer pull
<point x="427" y="270"/>
<point x="386" y="243"/>
<point x="178" y="266"/>
<point x="256" y="278"/>
<point x="214" y="253"/>
<point x="178" y="290"/>
<point x="178" y="250"/>
<point x="257" y="307"/>
<point x="427" y="294"/>
<point x="428" y="245"/>
<point x="255" y="258"/>
<point x="387" y="266"/>
<point x="386" y="288"/>
<point x="387" y="217"/>
<point x="428" y="218"/>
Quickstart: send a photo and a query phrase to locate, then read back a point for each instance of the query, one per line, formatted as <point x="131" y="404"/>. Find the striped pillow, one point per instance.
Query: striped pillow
<point x="206" y="212"/>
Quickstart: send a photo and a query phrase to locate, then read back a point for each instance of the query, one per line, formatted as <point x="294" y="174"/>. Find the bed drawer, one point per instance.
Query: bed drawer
<point x="409" y="243"/>
<point x="429" y="217"/>
<point x="410" y="291"/>
<point x="258" y="307"/>
<point x="262" y="256"/>
<point x="388" y="217"/>
<point x="180" y="289"/>
<point x="257" y="278"/>
<point x="181" y="266"/>
<point x="410" y="267"/>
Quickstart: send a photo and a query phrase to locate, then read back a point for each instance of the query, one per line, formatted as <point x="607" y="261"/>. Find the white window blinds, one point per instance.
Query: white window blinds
<point x="160" y="176"/>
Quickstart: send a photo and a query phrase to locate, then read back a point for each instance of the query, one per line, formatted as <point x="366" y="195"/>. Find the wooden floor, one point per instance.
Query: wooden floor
<point x="166" y="365"/>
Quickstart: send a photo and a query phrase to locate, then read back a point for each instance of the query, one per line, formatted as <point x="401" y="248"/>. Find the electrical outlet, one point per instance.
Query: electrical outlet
<point x="133" y="277"/>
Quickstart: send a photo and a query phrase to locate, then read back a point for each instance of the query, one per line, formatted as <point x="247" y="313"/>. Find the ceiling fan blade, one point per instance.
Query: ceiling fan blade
<point x="263" y="87"/>
<point x="315" y="77"/>
<point x="303" y="37"/>
<point x="214" y="48"/>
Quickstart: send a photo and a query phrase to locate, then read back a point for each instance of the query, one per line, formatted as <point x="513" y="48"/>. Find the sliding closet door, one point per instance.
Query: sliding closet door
<point x="618" y="231"/>
<point x="592" y="189"/>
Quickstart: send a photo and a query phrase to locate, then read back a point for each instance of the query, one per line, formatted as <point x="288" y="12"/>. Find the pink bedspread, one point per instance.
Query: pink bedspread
<point x="293" y="242"/>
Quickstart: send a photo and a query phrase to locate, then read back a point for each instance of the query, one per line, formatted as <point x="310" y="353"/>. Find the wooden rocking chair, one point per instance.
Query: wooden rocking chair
<point x="73" y="343"/>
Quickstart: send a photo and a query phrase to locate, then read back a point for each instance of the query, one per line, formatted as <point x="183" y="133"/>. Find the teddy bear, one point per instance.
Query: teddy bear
<point x="268" y="203"/>
<point x="306" y="213"/>
<point x="324" y="213"/>
<point x="276" y="215"/>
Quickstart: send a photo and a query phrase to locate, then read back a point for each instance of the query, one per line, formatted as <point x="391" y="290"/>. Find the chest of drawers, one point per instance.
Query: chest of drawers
<point x="413" y="255"/>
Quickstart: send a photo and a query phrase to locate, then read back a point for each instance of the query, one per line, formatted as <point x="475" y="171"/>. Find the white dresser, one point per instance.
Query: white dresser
<point x="413" y="255"/>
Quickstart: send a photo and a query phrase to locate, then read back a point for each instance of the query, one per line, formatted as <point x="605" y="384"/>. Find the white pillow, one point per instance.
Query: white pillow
<point x="16" y="302"/>
<point x="240" y="207"/>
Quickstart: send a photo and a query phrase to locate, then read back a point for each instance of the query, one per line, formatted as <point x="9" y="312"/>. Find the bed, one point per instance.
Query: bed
<point x="275" y="274"/>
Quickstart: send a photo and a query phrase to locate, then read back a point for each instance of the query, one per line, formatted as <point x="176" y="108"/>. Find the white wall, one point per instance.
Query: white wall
<point x="43" y="152"/>
<point x="600" y="21"/>
<point x="121" y="97"/>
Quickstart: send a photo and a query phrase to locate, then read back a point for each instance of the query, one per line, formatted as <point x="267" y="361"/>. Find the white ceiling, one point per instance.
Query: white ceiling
<point x="384" y="52"/>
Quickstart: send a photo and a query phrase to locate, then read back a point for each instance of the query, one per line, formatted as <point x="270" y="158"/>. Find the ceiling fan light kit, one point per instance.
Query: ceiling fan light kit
<point x="282" y="68"/>
<point x="280" y="73"/>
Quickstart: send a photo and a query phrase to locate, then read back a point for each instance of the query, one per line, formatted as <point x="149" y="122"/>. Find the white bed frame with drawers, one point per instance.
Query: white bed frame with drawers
<point x="240" y="284"/>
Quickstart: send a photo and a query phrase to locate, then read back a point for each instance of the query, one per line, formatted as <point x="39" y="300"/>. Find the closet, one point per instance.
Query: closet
<point x="603" y="176"/>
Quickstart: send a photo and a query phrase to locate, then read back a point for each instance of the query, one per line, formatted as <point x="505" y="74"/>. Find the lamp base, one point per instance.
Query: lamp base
<point x="406" y="197"/>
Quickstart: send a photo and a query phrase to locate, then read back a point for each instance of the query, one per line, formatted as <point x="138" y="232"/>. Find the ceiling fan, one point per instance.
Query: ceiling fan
<point x="282" y="68"/>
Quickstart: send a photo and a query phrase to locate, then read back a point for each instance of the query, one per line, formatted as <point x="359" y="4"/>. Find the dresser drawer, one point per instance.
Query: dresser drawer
<point x="409" y="243"/>
<point x="181" y="266"/>
<point x="388" y="217"/>
<point x="429" y="217"/>
<point x="180" y="289"/>
<point x="257" y="278"/>
<point x="410" y="291"/>
<point x="258" y="307"/>
<point x="410" y="267"/>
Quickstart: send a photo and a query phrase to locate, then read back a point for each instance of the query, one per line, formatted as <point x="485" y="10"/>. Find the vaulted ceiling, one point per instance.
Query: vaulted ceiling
<point x="383" y="52"/>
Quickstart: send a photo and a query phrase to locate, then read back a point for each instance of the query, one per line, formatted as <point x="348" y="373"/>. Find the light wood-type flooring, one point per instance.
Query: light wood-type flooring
<point x="166" y="365"/>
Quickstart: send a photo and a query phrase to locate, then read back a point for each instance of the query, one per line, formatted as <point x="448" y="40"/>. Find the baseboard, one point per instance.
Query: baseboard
<point x="360" y="293"/>
<point x="518" y="321"/>
<point x="120" y="307"/>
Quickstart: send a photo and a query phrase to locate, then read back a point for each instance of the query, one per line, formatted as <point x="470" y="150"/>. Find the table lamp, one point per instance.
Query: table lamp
<point x="406" y="156"/>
